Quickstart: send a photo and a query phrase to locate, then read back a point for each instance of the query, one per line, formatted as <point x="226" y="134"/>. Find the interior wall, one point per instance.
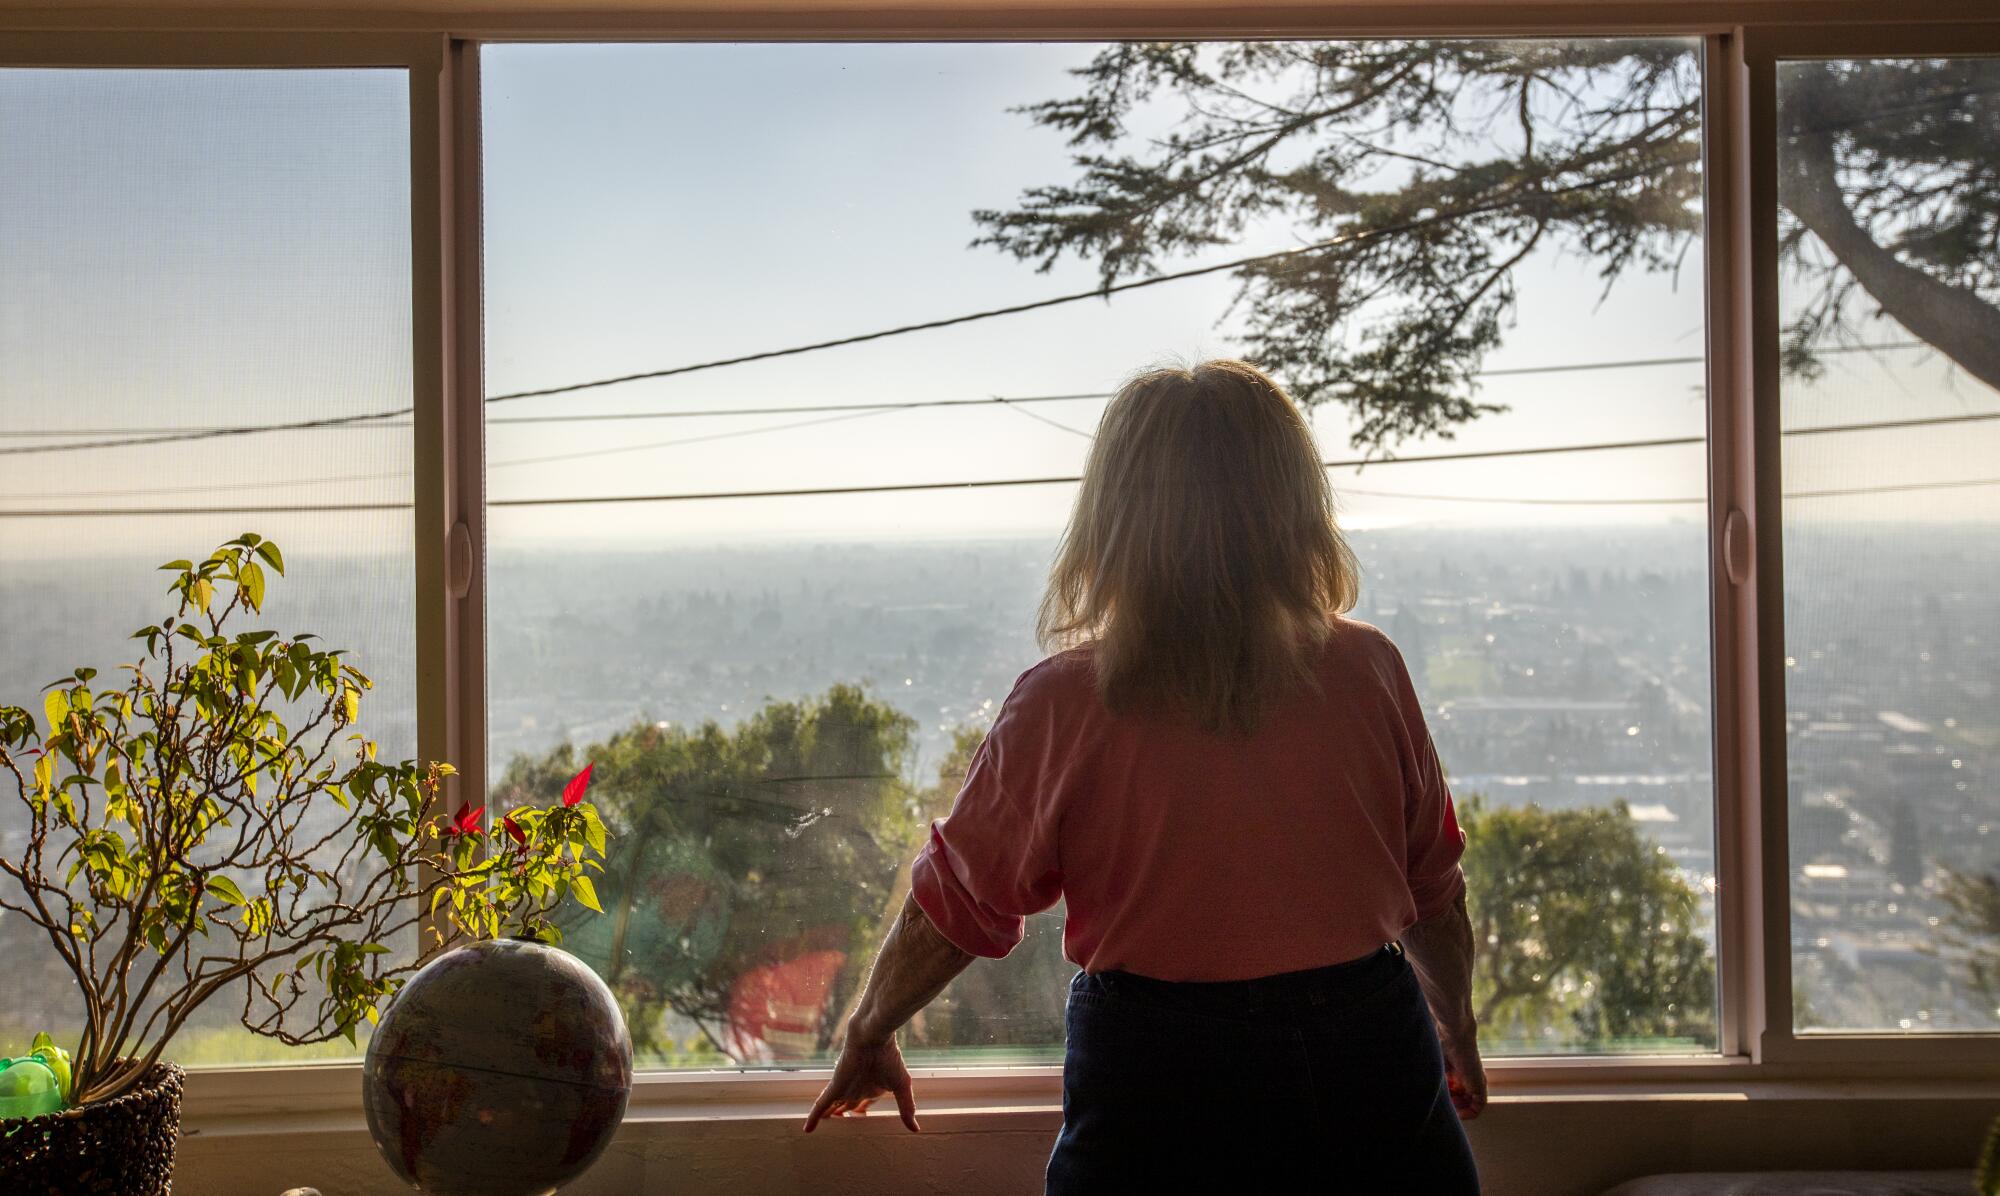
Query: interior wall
<point x="1526" y="1147"/>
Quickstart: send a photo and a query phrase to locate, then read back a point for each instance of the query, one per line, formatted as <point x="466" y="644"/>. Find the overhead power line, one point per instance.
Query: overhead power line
<point x="1057" y="424"/>
<point x="385" y="420"/>
<point x="371" y="422"/>
<point x="589" y="417"/>
<point x="335" y="479"/>
<point x="1790" y="496"/>
<point x="1104" y="291"/>
<point x="706" y="496"/>
<point x="999" y="483"/>
<point x="301" y="425"/>
<point x="1348" y="463"/>
<point x="165" y="435"/>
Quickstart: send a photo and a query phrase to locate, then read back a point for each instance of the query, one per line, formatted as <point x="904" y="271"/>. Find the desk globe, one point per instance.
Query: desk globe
<point x="500" y="1069"/>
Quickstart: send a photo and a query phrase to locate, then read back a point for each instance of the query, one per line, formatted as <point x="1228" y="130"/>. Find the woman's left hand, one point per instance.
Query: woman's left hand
<point x="863" y="1073"/>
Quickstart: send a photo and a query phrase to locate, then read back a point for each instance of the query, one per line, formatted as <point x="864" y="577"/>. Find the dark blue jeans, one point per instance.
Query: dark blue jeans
<point x="1325" y="1081"/>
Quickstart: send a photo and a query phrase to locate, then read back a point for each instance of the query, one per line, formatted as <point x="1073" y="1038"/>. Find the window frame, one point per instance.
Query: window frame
<point x="1757" y="1043"/>
<point x="446" y="465"/>
<point x="1755" y="68"/>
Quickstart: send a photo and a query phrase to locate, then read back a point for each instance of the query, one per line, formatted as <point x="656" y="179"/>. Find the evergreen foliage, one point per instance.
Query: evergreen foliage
<point x="1432" y="170"/>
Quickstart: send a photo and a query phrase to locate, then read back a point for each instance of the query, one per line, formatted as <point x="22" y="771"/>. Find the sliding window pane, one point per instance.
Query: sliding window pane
<point x="186" y="258"/>
<point x="1889" y="172"/>
<point x="777" y="601"/>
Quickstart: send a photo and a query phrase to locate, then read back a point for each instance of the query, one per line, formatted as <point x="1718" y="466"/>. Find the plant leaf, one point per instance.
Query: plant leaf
<point x="253" y="585"/>
<point x="225" y="890"/>
<point x="56" y="705"/>
<point x="573" y="792"/>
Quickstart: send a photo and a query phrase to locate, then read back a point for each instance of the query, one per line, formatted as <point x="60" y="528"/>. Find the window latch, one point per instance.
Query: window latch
<point x="458" y="560"/>
<point x="1736" y="546"/>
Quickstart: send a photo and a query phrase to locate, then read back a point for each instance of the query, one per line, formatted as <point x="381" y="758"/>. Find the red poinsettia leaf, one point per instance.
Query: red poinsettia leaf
<point x="514" y="831"/>
<point x="573" y="792"/>
<point x="467" y="822"/>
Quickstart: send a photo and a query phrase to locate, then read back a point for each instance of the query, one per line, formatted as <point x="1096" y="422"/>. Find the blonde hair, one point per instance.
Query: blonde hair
<point x="1202" y="563"/>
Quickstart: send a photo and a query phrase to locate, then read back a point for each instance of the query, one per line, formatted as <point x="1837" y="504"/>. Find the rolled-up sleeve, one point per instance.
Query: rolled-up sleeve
<point x="992" y="861"/>
<point x="1432" y="838"/>
<point x="1435" y="841"/>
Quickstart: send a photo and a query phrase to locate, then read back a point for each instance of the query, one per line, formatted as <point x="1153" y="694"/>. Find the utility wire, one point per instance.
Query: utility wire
<point x="1790" y="496"/>
<point x="1470" y="498"/>
<point x="658" y="444"/>
<point x="862" y="410"/>
<point x="302" y="425"/>
<point x="1530" y="501"/>
<point x="282" y="483"/>
<point x="1348" y="463"/>
<point x="1895" y="489"/>
<point x="1104" y="291"/>
<point x="997" y="483"/>
<point x="615" y="416"/>
<point x="1053" y="423"/>
<point x="1482" y="499"/>
<point x="865" y="412"/>
<point x="392" y="419"/>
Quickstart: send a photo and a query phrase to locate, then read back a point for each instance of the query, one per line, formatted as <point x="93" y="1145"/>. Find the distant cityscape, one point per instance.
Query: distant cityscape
<point x="1566" y="667"/>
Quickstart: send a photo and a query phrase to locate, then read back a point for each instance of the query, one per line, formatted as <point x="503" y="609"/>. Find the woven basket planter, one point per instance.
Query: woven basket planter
<point x="122" y="1147"/>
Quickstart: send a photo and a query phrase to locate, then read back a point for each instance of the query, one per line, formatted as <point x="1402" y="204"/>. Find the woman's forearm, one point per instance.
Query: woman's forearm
<point x="1440" y="948"/>
<point x="915" y="964"/>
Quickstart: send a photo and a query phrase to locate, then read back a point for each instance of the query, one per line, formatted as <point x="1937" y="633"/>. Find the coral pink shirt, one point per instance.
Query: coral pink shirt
<point x="1188" y="856"/>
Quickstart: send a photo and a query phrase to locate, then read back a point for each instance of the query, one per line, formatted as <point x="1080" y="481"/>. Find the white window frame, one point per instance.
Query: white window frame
<point x="1742" y="43"/>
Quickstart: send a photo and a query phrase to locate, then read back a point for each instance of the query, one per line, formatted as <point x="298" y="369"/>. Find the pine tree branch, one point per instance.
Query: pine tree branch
<point x="1955" y="320"/>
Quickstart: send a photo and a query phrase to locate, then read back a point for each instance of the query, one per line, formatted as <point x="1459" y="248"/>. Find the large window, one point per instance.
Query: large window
<point x="793" y="353"/>
<point x="1891" y="411"/>
<point x="780" y="688"/>
<point x="186" y="257"/>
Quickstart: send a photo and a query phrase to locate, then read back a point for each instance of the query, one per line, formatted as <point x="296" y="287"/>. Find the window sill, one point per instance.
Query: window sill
<point x="325" y="1098"/>
<point x="990" y="1131"/>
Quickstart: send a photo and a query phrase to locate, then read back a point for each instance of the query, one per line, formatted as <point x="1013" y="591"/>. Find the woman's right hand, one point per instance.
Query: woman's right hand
<point x="1464" y="1075"/>
<point x="1440" y="949"/>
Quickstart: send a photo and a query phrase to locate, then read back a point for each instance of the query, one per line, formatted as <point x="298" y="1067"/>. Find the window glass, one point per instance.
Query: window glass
<point x="1890" y="288"/>
<point x="185" y="257"/>
<point x="777" y="601"/>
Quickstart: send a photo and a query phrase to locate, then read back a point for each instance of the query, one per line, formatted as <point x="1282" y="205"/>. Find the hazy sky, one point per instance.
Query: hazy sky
<point x="199" y="248"/>
<point x="185" y="248"/>
<point x="652" y="205"/>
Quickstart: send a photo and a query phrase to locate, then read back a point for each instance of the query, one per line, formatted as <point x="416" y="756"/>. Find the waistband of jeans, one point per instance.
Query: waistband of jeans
<point x="1333" y="984"/>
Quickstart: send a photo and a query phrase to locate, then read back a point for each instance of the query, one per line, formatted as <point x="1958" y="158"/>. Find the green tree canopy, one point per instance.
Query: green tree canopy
<point x="1432" y="169"/>
<point x="741" y="849"/>
<point x="1971" y="931"/>
<point x="787" y="838"/>
<point x="1585" y="931"/>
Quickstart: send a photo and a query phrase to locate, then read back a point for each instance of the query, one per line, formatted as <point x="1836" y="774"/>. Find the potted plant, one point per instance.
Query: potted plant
<point x="214" y="826"/>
